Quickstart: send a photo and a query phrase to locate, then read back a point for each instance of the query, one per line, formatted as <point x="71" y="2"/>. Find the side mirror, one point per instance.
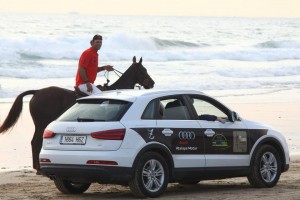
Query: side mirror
<point x="235" y="117"/>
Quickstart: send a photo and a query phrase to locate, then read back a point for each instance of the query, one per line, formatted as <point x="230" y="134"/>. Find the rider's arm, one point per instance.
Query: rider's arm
<point x="105" y="67"/>
<point x="211" y="118"/>
<point x="83" y="75"/>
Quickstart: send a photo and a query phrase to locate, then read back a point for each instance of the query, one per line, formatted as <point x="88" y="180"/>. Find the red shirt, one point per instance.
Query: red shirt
<point x="89" y="61"/>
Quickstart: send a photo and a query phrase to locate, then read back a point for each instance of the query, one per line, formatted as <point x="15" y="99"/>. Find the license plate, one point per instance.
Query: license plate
<point x="72" y="139"/>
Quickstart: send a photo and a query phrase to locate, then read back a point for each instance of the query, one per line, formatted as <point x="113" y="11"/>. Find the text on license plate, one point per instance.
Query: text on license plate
<point x="72" y="139"/>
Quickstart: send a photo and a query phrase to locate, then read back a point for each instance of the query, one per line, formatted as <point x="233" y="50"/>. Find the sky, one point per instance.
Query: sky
<point x="235" y="8"/>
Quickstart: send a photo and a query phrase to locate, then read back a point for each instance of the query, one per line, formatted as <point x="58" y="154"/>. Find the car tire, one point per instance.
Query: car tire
<point x="68" y="187"/>
<point x="265" y="168"/>
<point x="151" y="176"/>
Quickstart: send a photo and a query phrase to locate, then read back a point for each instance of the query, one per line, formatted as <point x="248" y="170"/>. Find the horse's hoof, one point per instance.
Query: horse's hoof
<point x="38" y="172"/>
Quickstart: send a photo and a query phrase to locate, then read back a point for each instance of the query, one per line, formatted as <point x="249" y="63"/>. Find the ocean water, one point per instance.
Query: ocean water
<point x="225" y="56"/>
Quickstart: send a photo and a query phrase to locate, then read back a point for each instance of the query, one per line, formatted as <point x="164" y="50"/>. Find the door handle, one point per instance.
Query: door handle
<point x="209" y="132"/>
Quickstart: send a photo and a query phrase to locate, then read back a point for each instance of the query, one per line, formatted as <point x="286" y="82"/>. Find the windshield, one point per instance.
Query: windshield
<point x="90" y="110"/>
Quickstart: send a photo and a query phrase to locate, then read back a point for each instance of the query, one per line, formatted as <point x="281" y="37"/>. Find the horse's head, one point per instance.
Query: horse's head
<point x="142" y="76"/>
<point x="135" y="74"/>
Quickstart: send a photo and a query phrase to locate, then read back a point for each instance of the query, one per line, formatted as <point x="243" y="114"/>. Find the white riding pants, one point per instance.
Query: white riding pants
<point x="83" y="88"/>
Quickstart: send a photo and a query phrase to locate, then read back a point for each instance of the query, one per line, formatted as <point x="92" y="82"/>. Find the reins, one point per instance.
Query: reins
<point x="117" y="71"/>
<point x="106" y="75"/>
<point x="119" y="74"/>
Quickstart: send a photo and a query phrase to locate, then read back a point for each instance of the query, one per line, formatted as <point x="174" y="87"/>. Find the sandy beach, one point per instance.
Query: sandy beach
<point x="19" y="181"/>
<point x="24" y="184"/>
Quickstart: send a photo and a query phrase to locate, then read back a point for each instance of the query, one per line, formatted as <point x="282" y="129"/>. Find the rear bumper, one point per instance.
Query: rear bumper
<point x="86" y="173"/>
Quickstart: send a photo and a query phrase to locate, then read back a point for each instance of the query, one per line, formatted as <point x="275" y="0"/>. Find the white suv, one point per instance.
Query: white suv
<point x="149" y="138"/>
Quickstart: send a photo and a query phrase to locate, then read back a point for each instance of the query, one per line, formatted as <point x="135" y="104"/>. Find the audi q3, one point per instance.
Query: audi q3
<point x="146" y="139"/>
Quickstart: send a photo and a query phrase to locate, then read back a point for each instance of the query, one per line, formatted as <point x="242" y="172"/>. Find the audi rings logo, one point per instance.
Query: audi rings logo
<point x="186" y="135"/>
<point x="71" y="129"/>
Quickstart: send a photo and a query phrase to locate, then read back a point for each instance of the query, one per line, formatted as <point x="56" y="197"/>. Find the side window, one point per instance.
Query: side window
<point x="206" y="111"/>
<point x="150" y="111"/>
<point x="166" y="109"/>
<point x="173" y="109"/>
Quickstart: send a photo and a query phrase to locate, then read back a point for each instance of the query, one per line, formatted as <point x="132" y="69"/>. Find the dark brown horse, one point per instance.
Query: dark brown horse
<point x="47" y="104"/>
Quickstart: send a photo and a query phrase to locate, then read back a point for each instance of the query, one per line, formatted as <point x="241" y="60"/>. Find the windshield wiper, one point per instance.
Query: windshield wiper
<point x="89" y="120"/>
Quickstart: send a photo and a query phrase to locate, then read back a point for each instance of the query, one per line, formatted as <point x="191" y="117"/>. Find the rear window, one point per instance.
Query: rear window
<point x="90" y="110"/>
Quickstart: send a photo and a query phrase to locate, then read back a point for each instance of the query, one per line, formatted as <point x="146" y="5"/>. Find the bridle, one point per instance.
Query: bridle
<point x="145" y="82"/>
<point x="119" y="74"/>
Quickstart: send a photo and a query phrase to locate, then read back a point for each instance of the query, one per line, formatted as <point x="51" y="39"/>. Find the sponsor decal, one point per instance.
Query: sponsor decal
<point x="219" y="140"/>
<point x="186" y="148"/>
<point x="239" y="141"/>
<point x="167" y="132"/>
<point x="209" y="132"/>
<point x="186" y="135"/>
<point x="71" y="129"/>
<point x="184" y="142"/>
<point x="177" y="140"/>
<point x="150" y="134"/>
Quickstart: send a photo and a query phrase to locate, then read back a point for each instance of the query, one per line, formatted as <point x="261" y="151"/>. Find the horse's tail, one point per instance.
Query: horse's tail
<point x="15" y="112"/>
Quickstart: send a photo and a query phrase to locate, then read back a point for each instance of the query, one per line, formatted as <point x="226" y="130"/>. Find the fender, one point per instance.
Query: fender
<point x="274" y="142"/>
<point x="159" y="148"/>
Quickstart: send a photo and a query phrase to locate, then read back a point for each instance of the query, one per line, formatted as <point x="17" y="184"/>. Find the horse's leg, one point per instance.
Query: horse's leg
<point x="36" y="146"/>
<point x="37" y="140"/>
<point x="33" y="141"/>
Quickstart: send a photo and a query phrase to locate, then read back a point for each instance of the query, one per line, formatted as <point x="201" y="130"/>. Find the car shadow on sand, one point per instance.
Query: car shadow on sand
<point x="174" y="191"/>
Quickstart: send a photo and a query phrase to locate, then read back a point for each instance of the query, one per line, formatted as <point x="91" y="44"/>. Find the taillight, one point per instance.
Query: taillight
<point x="101" y="162"/>
<point x="48" y="134"/>
<point x="116" y="134"/>
<point x="45" y="160"/>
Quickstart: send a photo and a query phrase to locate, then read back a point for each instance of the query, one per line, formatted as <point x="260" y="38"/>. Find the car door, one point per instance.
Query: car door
<point x="180" y="133"/>
<point x="225" y="143"/>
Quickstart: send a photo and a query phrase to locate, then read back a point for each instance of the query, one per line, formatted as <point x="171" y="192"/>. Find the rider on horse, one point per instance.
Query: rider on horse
<point x="88" y="68"/>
